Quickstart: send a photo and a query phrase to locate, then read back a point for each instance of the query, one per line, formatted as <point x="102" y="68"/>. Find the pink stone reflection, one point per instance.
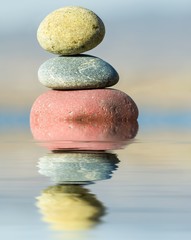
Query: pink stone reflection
<point x="85" y="136"/>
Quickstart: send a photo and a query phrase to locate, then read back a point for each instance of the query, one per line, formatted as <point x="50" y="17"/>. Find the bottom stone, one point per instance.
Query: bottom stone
<point x="100" y="116"/>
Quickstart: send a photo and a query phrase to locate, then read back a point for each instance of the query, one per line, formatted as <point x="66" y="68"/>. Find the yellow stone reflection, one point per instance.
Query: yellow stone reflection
<point x="70" y="207"/>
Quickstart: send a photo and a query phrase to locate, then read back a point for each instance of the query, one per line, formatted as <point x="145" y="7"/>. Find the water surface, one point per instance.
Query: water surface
<point x="141" y="193"/>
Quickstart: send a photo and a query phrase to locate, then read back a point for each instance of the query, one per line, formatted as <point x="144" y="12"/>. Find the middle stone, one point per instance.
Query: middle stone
<point x="77" y="72"/>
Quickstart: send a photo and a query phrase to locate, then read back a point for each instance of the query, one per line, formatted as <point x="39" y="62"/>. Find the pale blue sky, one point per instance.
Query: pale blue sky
<point x="24" y="14"/>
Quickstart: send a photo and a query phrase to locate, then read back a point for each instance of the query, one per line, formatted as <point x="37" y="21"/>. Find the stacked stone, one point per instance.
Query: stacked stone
<point x="79" y="82"/>
<point x="71" y="31"/>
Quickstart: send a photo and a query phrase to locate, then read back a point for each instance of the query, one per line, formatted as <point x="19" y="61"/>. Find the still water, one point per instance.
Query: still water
<point x="142" y="191"/>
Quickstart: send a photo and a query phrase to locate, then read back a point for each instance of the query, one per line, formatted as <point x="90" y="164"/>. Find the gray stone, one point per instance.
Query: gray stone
<point x="77" y="72"/>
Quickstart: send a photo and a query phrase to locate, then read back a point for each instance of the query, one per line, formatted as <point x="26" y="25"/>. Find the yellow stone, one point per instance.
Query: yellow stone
<point x="70" y="30"/>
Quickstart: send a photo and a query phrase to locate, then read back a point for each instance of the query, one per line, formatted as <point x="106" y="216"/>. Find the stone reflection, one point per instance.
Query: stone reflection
<point x="85" y="136"/>
<point x="78" y="167"/>
<point x="70" y="207"/>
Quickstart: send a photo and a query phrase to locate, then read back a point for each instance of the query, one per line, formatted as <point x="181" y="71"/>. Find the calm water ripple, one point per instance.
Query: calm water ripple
<point x="139" y="192"/>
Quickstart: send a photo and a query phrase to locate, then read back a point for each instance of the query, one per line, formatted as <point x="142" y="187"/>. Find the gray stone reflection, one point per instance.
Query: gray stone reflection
<point x="78" y="167"/>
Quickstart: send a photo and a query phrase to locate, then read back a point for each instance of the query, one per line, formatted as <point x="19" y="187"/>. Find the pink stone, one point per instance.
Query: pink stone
<point x="98" y="119"/>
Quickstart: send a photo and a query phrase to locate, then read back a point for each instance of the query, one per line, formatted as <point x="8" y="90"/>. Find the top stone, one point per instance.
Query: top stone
<point x="70" y="30"/>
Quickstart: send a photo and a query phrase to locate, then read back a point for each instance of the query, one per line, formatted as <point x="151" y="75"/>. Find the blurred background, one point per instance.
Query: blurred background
<point x="148" y="42"/>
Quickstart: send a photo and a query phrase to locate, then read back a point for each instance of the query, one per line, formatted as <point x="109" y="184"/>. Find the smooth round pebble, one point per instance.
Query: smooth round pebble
<point x="99" y="119"/>
<point x="70" y="30"/>
<point x="99" y="105"/>
<point x="77" y="72"/>
<point x="78" y="167"/>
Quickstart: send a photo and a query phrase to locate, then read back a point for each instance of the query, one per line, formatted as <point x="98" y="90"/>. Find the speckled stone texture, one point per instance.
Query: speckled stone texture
<point x="77" y="72"/>
<point x="101" y="105"/>
<point x="99" y="119"/>
<point x="70" y="30"/>
<point x="78" y="167"/>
